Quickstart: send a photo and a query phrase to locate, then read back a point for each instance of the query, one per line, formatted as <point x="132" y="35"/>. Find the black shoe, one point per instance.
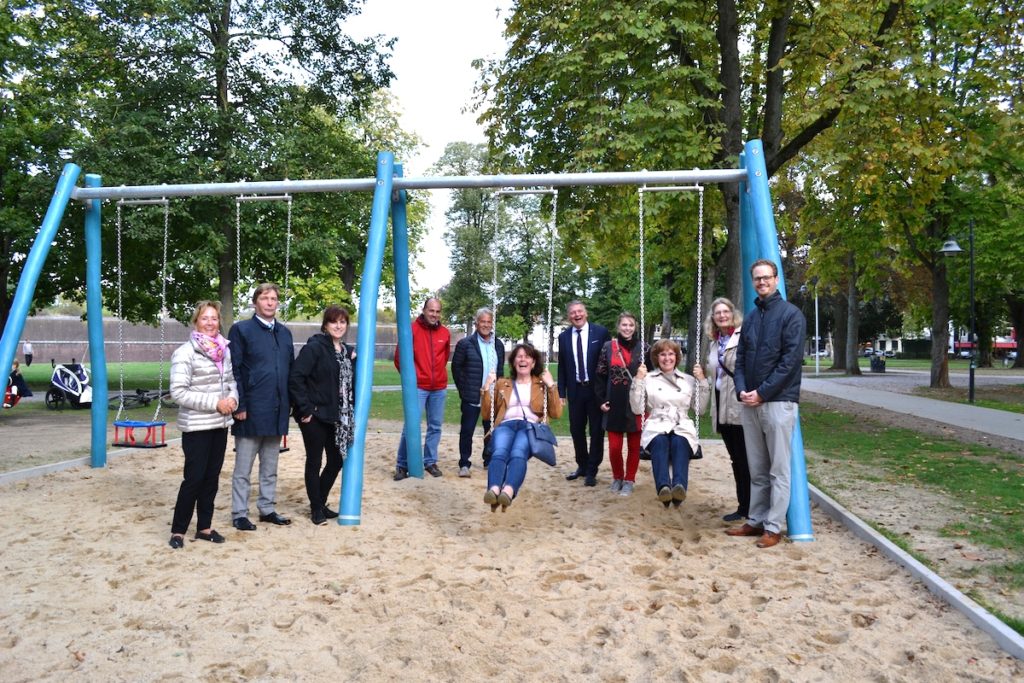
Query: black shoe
<point x="433" y="470"/>
<point x="177" y="542"/>
<point x="733" y="517"/>
<point x="275" y="518"/>
<point x="401" y="473"/>
<point x="573" y="476"/>
<point x="213" y="536"/>
<point x="243" y="524"/>
<point x="329" y="513"/>
<point x="318" y="517"/>
<point x="590" y="481"/>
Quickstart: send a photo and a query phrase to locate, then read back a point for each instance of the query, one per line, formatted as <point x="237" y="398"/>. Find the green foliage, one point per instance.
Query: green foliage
<point x="143" y="93"/>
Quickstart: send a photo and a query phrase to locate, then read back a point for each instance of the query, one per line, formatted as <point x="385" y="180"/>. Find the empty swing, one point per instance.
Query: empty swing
<point x="156" y="429"/>
<point x="699" y="189"/>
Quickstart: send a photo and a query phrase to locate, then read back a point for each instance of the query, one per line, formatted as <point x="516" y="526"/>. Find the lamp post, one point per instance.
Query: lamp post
<point x="951" y="248"/>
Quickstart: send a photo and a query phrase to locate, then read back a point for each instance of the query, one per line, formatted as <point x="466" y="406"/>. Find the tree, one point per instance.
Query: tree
<point x="664" y="84"/>
<point x="194" y="92"/>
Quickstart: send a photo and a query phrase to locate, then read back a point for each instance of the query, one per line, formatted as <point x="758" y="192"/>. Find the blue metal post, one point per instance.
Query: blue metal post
<point x="33" y="266"/>
<point x="352" y="474"/>
<point x="748" y="243"/>
<point x="410" y="392"/>
<point x="94" y="315"/>
<point x="798" y="518"/>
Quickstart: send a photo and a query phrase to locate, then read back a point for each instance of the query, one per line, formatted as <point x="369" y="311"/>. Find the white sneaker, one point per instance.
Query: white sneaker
<point x="464" y="472"/>
<point x="616" y="485"/>
<point x="627" y="489"/>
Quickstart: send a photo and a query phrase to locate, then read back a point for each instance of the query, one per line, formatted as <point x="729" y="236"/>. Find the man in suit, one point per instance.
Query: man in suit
<point x="476" y="356"/>
<point x="261" y="359"/>
<point x="579" y="347"/>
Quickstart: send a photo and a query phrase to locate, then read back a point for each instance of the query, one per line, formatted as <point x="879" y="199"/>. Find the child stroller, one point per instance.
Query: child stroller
<point x="69" y="383"/>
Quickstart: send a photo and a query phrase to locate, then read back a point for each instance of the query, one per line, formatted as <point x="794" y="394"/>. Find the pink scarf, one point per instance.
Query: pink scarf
<point x="212" y="347"/>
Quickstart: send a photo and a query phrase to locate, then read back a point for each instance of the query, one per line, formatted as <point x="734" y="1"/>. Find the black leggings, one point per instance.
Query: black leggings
<point x="318" y="437"/>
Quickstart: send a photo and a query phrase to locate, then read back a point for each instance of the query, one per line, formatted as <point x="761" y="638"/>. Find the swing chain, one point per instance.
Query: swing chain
<point x="700" y="303"/>
<point x="120" y="320"/>
<point x="494" y="296"/>
<point x="549" y="326"/>
<point x="238" y="253"/>
<point x="287" y="258"/>
<point x="643" y="314"/>
<point x="163" y="314"/>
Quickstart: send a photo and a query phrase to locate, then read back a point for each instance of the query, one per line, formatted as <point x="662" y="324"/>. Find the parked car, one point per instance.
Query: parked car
<point x="867" y="353"/>
<point x="890" y="354"/>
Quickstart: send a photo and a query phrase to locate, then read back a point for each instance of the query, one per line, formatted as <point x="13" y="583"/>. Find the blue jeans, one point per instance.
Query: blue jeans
<point x="670" y="450"/>
<point x="431" y="405"/>
<point x="511" y="451"/>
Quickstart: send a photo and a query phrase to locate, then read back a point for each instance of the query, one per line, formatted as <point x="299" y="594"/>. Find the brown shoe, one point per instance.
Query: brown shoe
<point x="745" y="530"/>
<point x="769" y="539"/>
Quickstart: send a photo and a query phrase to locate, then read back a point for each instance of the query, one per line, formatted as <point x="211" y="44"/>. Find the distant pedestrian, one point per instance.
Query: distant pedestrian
<point x="26" y="350"/>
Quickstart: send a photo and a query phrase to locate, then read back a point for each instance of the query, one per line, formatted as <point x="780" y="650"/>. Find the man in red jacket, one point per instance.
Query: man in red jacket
<point x="431" y="345"/>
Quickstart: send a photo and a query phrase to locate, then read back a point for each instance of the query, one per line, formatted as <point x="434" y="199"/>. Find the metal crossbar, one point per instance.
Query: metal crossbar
<point x="704" y="177"/>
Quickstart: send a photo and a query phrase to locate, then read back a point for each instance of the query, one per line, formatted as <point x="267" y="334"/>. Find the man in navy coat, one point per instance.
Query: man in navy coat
<point x="476" y="356"/>
<point x="579" y="347"/>
<point x="261" y="359"/>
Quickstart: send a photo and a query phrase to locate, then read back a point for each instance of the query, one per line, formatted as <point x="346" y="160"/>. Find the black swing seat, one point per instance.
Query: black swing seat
<point x="151" y="439"/>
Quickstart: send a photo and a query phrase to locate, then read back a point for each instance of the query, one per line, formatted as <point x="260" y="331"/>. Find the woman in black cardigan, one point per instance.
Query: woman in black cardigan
<point x="322" y="388"/>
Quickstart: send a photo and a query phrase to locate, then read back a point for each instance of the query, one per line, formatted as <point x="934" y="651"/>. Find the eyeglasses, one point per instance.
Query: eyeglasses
<point x="763" y="278"/>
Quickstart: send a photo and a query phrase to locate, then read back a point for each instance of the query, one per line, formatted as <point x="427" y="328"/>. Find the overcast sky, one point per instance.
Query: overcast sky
<point x="437" y="41"/>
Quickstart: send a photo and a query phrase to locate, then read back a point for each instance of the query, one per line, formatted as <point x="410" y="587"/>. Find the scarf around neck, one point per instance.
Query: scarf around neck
<point x="211" y="347"/>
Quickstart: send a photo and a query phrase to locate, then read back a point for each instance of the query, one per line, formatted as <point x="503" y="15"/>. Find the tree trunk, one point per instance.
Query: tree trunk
<point x="1016" y="306"/>
<point x="983" y="334"/>
<point x="852" y="320"/>
<point x="940" y="326"/>
<point x="839" y="336"/>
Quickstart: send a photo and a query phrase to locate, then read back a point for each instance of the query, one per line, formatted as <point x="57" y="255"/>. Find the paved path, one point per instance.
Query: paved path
<point x="885" y="391"/>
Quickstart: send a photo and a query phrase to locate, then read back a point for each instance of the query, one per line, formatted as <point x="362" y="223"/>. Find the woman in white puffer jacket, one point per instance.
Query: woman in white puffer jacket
<point x="203" y="386"/>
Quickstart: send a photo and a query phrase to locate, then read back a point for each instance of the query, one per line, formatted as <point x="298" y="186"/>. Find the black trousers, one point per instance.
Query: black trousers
<point x="204" y="457"/>
<point x="585" y="413"/>
<point x="467" y="428"/>
<point x="732" y="435"/>
<point x="318" y="438"/>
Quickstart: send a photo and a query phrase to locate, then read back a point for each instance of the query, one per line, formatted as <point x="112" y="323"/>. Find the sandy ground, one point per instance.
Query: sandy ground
<point x="570" y="584"/>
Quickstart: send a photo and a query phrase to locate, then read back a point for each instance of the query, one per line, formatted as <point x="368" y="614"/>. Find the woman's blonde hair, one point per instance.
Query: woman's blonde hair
<point x="201" y="306"/>
<point x="709" y="321"/>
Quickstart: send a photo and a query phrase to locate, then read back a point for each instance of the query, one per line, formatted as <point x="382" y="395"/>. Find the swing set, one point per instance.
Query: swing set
<point x="759" y="239"/>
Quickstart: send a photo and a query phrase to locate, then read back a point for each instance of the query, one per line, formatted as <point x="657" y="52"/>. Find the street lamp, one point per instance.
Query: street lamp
<point x="951" y="248"/>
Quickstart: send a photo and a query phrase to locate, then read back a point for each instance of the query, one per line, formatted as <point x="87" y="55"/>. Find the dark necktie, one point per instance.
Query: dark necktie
<point x="581" y="360"/>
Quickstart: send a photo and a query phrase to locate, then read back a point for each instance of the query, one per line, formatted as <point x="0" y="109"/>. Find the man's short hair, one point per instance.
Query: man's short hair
<point x="764" y="262"/>
<point x="265" y="287"/>
<point x="429" y="299"/>
<point x="481" y="312"/>
<point x="574" y="302"/>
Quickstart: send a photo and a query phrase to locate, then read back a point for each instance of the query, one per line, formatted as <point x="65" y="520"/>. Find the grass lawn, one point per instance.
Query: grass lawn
<point x="985" y="482"/>
<point x="1001" y="397"/>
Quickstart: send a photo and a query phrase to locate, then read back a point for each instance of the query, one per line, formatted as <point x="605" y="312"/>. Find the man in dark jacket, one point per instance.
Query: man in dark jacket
<point x="431" y="346"/>
<point x="476" y="356"/>
<point x="579" y="347"/>
<point x="768" y="367"/>
<point x="261" y="359"/>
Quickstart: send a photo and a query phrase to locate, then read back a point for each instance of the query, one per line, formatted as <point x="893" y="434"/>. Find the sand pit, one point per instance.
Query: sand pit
<point x="570" y="584"/>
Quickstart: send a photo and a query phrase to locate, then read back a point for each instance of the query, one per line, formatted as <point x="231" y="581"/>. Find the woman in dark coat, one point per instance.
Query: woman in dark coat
<point x="616" y="368"/>
<point x="322" y="389"/>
